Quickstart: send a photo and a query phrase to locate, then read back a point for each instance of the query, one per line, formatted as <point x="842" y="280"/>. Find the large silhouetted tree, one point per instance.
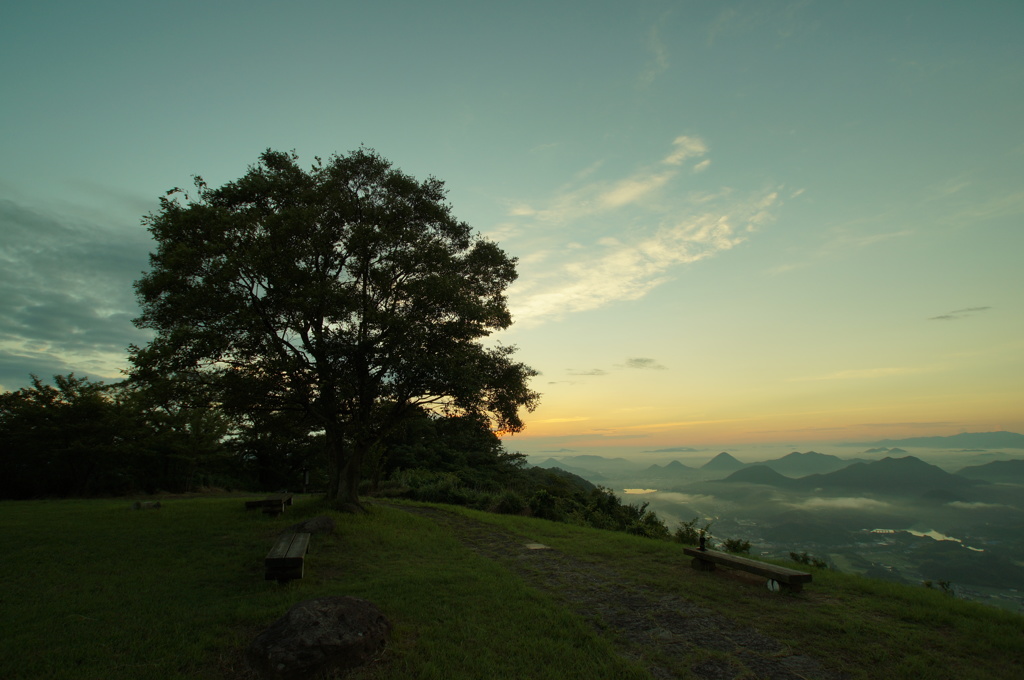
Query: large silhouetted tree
<point x="347" y="294"/>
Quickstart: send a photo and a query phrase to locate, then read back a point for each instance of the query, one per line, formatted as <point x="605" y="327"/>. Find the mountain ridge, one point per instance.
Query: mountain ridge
<point x="983" y="440"/>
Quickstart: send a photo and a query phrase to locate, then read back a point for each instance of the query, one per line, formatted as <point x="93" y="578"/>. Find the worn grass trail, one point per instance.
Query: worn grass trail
<point x="95" y="590"/>
<point x="670" y="636"/>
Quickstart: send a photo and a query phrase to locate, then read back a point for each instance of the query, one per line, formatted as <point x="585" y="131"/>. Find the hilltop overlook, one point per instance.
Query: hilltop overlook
<point x="884" y="513"/>
<point x="454" y="583"/>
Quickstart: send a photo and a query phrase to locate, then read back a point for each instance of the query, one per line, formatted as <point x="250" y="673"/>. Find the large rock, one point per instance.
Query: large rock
<point x="315" y="525"/>
<point x="316" y="636"/>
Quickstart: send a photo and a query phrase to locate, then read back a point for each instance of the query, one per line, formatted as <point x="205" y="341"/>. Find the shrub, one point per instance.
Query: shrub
<point x="688" y="533"/>
<point x="509" y="503"/>
<point x="544" y="505"/>
<point x="650" y="526"/>
<point x="735" y="545"/>
<point x="944" y="586"/>
<point x="804" y="558"/>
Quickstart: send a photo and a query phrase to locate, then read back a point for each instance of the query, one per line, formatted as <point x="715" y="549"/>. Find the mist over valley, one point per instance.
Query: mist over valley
<point x="909" y="511"/>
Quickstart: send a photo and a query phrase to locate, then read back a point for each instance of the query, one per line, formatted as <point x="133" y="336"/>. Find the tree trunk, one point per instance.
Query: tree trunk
<point x="343" y="488"/>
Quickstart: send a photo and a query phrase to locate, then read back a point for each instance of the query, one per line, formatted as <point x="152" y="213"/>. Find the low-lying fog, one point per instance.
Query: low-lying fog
<point x="896" y="513"/>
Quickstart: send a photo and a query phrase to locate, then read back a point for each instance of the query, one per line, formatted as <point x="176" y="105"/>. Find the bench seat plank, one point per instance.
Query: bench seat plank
<point x="286" y="558"/>
<point x="791" y="577"/>
<point x="269" y="501"/>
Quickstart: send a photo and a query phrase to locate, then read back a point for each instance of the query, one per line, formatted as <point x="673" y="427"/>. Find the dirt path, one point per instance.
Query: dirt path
<point x="667" y="634"/>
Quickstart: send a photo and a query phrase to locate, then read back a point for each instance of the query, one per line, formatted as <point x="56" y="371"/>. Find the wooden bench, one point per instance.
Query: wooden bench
<point x="272" y="505"/>
<point x="285" y="560"/>
<point x="779" y="577"/>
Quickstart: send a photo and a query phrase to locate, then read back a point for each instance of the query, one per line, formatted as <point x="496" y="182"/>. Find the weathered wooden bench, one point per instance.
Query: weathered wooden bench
<point x="285" y="560"/>
<point x="778" y="577"/>
<point x="272" y="505"/>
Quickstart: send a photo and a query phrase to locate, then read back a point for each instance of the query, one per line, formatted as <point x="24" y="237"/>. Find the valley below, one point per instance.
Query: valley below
<point x="946" y="519"/>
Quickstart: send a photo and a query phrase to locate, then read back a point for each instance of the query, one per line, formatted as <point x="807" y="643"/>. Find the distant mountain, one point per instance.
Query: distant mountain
<point x="893" y="450"/>
<point x="761" y="474"/>
<point x="673" y="471"/>
<point x="575" y="480"/>
<point x="676" y="466"/>
<point x="964" y="440"/>
<point x="893" y="476"/>
<point x="589" y="475"/>
<point x="798" y="464"/>
<point x="608" y="467"/>
<point x="997" y="471"/>
<point x="550" y="462"/>
<point x="586" y="458"/>
<point x="670" y="467"/>
<point x="723" y="462"/>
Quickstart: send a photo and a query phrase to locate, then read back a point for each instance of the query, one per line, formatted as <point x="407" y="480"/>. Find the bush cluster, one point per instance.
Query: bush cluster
<point x="804" y="558"/>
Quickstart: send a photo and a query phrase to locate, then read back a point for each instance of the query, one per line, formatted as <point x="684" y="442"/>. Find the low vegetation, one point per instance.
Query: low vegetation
<point x="94" y="589"/>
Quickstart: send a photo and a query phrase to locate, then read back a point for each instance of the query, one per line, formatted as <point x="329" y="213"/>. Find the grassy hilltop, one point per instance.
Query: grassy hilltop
<point x="93" y="589"/>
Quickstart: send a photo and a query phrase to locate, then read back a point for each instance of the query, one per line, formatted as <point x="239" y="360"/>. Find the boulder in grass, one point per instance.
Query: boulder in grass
<point x="317" y="637"/>
<point x="315" y="525"/>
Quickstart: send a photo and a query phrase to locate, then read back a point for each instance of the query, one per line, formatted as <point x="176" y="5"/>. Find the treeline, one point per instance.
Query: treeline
<point x="78" y="437"/>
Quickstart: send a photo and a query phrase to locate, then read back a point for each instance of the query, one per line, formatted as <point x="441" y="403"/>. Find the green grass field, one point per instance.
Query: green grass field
<point x="93" y="589"/>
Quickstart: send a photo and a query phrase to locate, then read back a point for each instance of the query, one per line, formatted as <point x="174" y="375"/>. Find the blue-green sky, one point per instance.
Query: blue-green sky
<point x="736" y="221"/>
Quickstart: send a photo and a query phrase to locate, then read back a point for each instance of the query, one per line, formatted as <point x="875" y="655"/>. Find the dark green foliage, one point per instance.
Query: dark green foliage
<point x="459" y="461"/>
<point x="804" y="558"/>
<point x="605" y="510"/>
<point x="689" y="533"/>
<point x="545" y="506"/>
<point x="83" y="438"/>
<point x="464" y="446"/>
<point x="510" y="503"/>
<point x="346" y="297"/>
<point x="735" y="545"/>
<point x="944" y="586"/>
<point x="71" y="438"/>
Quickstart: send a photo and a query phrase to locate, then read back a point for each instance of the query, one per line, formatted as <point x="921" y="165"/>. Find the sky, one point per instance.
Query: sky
<point x="736" y="222"/>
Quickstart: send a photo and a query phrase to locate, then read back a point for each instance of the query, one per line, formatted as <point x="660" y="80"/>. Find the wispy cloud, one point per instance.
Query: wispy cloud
<point x="1005" y="205"/>
<point x="66" y="301"/>
<point x="667" y="228"/>
<point x="644" y="364"/>
<point x="658" y="63"/>
<point x="561" y="420"/>
<point x="840" y="242"/>
<point x="584" y="197"/>
<point x="684" y="147"/>
<point x="591" y="371"/>
<point x="932" y="423"/>
<point x="625" y="274"/>
<point x="866" y="373"/>
<point x="964" y="505"/>
<point x="679" y="424"/>
<point x="959" y="313"/>
<point x="686" y="498"/>
<point x="841" y="504"/>
<point x="632" y="189"/>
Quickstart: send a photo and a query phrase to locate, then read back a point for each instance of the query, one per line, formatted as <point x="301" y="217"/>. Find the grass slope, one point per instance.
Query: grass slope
<point x="93" y="589"/>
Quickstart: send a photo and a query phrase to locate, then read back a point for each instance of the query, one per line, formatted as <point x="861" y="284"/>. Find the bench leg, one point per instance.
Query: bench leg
<point x="702" y="565"/>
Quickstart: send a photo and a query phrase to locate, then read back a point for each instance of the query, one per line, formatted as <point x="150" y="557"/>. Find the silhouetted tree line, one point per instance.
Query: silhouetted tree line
<point x="79" y="437"/>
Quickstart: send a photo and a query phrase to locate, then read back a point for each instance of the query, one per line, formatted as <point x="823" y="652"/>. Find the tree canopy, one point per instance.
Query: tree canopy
<point x="346" y="295"/>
